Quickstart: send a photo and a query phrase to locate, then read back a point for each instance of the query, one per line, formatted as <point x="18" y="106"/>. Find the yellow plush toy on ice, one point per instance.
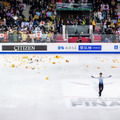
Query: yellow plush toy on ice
<point x="46" y="78"/>
<point x="102" y="60"/>
<point x="13" y="65"/>
<point x="67" y="60"/>
<point x="57" y="57"/>
<point x="26" y="57"/>
<point x="113" y="66"/>
<point x="98" y="67"/>
<point x="114" y="61"/>
<point x="26" y="67"/>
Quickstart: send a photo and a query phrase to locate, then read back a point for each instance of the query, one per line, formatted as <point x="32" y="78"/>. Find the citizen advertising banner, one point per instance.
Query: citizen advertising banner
<point x="24" y="48"/>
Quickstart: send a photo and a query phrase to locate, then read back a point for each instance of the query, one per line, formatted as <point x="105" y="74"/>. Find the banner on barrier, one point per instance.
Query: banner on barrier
<point x="24" y="47"/>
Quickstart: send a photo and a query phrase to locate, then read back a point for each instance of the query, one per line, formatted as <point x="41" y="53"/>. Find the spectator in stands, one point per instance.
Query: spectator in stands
<point x="95" y="16"/>
<point x="61" y="25"/>
<point x="109" y="30"/>
<point x="83" y="22"/>
<point x="106" y="10"/>
<point x="94" y="24"/>
<point x="112" y="24"/>
<point x="28" y="39"/>
<point x="118" y="23"/>
<point x="104" y="26"/>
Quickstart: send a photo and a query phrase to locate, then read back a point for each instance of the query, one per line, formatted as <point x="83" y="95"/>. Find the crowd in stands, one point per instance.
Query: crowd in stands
<point x="76" y="20"/>
<point x="106" y="13"/>
<point x="13" y="23"/>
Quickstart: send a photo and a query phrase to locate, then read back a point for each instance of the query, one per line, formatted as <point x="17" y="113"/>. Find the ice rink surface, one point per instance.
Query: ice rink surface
<point x="50" y="87"/>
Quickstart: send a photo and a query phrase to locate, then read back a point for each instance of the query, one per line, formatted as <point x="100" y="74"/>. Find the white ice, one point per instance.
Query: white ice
<point x="25" y="94"/>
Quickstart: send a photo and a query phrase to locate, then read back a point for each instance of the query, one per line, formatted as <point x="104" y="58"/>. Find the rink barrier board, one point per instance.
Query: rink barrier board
<point x="60" y="48"/>
<point x="59" y="52"/>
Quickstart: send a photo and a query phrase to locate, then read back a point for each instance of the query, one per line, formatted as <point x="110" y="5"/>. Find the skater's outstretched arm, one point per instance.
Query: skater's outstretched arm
<point x="95" y="77"/>
<point x="108" y="76"/>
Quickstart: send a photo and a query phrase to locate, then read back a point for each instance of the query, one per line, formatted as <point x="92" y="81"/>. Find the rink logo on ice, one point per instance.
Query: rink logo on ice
<point x="95" y="102"/>
<point x="90" y="47"/>
<point x="24" y="47"/>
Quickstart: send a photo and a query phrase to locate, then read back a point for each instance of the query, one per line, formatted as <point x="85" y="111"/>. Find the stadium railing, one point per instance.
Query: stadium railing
<point x="106" y="38"/>
<point x="73" y="6"/>
<point x="31" y="38"/>
<point x="59" y="38"/>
